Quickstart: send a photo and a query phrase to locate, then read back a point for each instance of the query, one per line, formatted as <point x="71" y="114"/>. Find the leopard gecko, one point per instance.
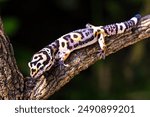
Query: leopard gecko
<point x="59" y="50"/>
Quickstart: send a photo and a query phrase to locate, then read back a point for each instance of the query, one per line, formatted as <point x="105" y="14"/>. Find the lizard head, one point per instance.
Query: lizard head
<point x="41" y="62"/>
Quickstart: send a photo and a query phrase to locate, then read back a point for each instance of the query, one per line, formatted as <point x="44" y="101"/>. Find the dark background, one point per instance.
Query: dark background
<point x="33" y="24"/>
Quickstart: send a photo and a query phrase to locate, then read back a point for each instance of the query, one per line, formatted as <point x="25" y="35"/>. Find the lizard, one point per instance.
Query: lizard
<point x="59" y="50"/>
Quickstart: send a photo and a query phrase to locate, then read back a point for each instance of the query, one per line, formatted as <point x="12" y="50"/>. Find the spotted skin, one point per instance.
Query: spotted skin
<point x="58" y="51"/>
<point x="122" y="27"/>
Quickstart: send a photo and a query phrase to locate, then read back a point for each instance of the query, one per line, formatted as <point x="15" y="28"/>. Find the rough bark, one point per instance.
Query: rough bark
<point x="14" y="86"/>
<point x="11" y="80"/>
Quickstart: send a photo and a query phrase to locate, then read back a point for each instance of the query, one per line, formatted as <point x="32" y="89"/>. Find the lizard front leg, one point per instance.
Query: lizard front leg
<point x="61" y="57"/>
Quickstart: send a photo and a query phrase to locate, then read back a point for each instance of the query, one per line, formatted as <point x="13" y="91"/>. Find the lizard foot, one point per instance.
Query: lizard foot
<point x="101" y="53"/>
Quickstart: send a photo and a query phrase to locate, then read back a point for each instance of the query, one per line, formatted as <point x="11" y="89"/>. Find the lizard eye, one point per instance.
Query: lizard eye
<point x="35" y="57"/>
<point x="38" y="65"/>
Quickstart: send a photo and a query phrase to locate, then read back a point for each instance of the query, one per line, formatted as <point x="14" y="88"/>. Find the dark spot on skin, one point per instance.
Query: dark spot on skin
<point x="67" y="37"/>
<point x="84" y="30"/>
<point x="116" y="29"/>
<point x="86" y="41"/>
<point x="38" y="65"/>
<point x="98" y="30"/>
<point x="41" y="68"/>
<point x="82" y="36"/>
<point x="71" y="40"/>
<point x="33" y="70"/>
<point x="95" y="34"/>
<point x="75" y="36"/>
<point x="57" y="43"/>
<point x="33" y="63"/>
<point x="82" y="42"/>
<point x="126" y="24"/>
<point x="91" y="30"/>
<point x="98" y="36"/>
<point x="87" y="33"/>
<point x="54" y="45"/>
<point x="63" y="44"/>
<point x="69" y="47"/>
<point x="121" y="27"/>
<point x="75" y="45"/>
<point x="109" y="29"/>
<point x="66" y="54"/>
<point x="105" y="30"/>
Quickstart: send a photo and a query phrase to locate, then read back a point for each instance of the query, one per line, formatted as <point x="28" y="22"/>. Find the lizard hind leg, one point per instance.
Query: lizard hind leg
<point x="102" y="45"/>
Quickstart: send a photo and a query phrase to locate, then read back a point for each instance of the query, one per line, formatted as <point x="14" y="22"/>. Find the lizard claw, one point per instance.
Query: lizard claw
<point x="101" y="53"/>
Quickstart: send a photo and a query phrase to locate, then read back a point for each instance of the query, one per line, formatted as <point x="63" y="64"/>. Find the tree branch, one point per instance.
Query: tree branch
<point x="79" y="60"/>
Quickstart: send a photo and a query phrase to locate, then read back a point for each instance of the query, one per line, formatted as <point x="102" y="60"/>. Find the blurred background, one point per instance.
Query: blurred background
<point x="33" y="24"/>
